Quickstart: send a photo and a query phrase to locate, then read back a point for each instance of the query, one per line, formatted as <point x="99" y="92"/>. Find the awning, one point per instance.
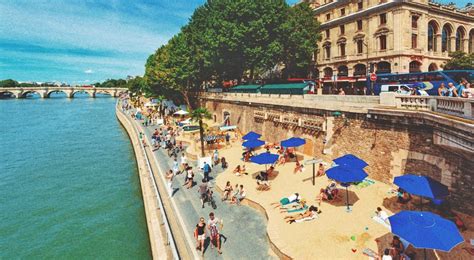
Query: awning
<point x="293" y="88"/>
<point x="227" y="128"/>
<point x="245" y="89"/>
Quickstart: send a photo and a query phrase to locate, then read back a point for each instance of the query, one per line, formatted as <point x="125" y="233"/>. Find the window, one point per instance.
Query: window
<point x="328" y="17"/>
<point x="328" y="51"/>
<point x="360" y="5"/>
<point x="327" y="33"/>
<point x="414" y="41"/>
<point x="359" y="25"/>
<point x="360" y="46"/>
<point x="342" y="29"/>
<point x="383" y="42"/>
<point x="342" y="47"/>
<point x="343" y="11"/>
<point x="383" y="18"/>
<point x="414" y="22"/>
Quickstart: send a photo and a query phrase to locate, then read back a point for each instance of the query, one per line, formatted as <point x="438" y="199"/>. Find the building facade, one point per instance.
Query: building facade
<point x="395" y="36"/>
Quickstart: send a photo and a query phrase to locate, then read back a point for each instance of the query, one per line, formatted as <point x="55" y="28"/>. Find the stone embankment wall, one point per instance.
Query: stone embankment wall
<point x="155" y="230"/>
<point x="390" y="148"/>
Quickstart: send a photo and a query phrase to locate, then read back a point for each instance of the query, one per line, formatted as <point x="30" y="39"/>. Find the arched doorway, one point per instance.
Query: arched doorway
<point x="415" y="66"/>
<point x="360" y="70"/>
<point x="446" y="37"/>
<point x="342" y="71"/>
<point x="433" y="29"/>
<point x="433" y="67"/>
<point x="383" y="67"/>
<point x="460" y="35"/>
<point x="226" y="118"/>
<point x="327" y="72"/>
<point x="471" y="41"/>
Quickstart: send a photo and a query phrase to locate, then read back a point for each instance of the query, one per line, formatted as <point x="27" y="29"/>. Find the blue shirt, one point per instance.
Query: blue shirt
<point x="207" y="168"/>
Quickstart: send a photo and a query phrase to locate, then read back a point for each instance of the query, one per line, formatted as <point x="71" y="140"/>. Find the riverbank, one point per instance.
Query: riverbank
<point x="155" y="230"/>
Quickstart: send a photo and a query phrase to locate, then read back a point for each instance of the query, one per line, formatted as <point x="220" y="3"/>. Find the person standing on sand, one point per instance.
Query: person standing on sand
<point x="214" y="231"/>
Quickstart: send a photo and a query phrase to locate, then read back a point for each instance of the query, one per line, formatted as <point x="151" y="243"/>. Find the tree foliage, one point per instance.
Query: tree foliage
<point x="460" y="61"/>
<point x="227" y="40"/>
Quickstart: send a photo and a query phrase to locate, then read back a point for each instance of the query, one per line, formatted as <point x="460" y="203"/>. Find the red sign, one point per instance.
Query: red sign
<point x="373" y="77"/>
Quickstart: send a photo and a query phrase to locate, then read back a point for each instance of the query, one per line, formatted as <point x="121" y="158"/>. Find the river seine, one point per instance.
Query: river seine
<point x="68" y="182"/>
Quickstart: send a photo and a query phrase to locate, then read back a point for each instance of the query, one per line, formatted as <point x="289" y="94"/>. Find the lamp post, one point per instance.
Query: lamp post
<point x="368" y="70"/>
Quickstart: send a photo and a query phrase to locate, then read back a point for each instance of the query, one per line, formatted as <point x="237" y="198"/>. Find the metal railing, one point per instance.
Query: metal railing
<point x="170" y="239"/>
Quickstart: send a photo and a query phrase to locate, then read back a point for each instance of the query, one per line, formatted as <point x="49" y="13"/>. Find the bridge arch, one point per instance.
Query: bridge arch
<point x="3" y="93"/>
<point x="56" y="91"/>
<point x="105" y="92"/>
<point x="90" y="93"/>
<point x="25" y="93"/>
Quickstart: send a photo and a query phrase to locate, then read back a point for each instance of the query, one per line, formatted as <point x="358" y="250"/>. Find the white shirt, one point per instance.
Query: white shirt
<point x="383" y="215"/>
<point x="183" y="159"/>
<point x="387" y="257"/>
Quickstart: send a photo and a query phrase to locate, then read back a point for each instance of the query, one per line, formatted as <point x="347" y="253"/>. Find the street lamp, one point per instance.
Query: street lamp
<point x="368" y="66"/>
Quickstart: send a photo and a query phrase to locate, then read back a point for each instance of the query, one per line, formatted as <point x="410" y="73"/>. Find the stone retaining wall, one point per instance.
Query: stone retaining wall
<point x="391" y="148"/>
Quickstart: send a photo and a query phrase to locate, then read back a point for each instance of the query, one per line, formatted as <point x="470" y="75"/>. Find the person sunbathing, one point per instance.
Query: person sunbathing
<point x="298" y="167"/>
<point x="301" y="206"/>
<point x="327" y="194"/>
<point x="321" y="170"/>
<point x="282" y="160"/>
<point x="263" y="185"/>
<point x="295" y="197"/>
<point x="237" y="170"/>
<point x="309" y="214"/>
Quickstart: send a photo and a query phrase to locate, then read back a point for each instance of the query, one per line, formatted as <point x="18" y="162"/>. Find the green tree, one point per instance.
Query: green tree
<point x="232" y="38"/>
<point x="8" y="83"/>
<point x="299" y="37"/>
<point x="198" y="115"/>
<point x="460" y="61"/>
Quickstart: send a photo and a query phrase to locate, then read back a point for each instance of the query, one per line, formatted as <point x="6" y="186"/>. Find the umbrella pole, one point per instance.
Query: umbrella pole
<point x="347" y="199"/>
<point x="424" y="253"/>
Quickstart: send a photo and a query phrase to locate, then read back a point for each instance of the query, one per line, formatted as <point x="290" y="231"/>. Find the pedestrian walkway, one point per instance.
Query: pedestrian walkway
<point x="244" y="232"/>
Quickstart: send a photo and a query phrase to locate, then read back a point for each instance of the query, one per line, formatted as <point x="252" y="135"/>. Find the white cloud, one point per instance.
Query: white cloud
<point x="88" y="71"/>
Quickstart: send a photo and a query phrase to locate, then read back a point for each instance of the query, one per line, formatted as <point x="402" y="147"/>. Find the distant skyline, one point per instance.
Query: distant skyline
<point x="82" y="42"/>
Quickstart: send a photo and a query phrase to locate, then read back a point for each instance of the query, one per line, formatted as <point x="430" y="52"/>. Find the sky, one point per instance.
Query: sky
<point x="86" y="41"/>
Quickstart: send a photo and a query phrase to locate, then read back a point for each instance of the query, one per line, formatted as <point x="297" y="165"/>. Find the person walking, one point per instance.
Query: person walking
<point x="184" y="161"/>
<point x="169" y="178"/>
<point x="207" y="169"/>
<point x="203" y="189"/>
<point x="214" y="231"/>
<point x="200" y="235"/>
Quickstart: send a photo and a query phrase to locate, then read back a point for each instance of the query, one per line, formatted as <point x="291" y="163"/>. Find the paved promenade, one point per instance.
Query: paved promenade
<point x="244" y="228"/>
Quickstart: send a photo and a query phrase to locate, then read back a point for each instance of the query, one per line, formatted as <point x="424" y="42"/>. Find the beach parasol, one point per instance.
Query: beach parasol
<point x="346" y="175"/>
<point x="421" y="186"/>
<point x="426" y="230"/>
<point x="251" y="136"/>
<point x="293" y="142"/>
<point x="350" y="160"/>
<point x="253" y="143"/>
<point x="265" y="158"/>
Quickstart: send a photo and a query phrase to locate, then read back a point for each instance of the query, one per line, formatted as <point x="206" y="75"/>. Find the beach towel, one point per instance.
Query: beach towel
<point x="380" y="221"/>
<point x="315" y="216"/>
<point x="365" y="183"/>
<point x="294" y="210"/>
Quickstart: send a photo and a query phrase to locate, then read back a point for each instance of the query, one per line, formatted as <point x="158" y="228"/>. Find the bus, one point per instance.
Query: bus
<point x="428" y="81"/>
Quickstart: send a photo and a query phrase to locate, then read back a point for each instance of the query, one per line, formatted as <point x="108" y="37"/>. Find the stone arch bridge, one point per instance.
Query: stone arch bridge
<point x="45" y="92"/>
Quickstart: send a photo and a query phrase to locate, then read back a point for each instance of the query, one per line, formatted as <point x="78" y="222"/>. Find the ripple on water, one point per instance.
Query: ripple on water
<point x="68" y="182"/>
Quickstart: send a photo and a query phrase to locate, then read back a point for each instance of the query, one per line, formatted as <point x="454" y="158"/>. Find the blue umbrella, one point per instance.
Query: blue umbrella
<point x="346" y="175"/>
<point x="426" y="230"/>
<point x="293" y="142"/>
<point x="350" y="160"/>
<point x="264" y="158"/>
<point x="251" y="136"/>
<point x="253" y="143"/>
<point x="421" y="186"/>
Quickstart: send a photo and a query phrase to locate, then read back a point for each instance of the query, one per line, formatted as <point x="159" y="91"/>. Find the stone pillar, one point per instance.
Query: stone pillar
<point x="437" y="43"/>
<point x="465" y="45"/>
<point x="452" y="44"/>
<point x="70" y="93"/>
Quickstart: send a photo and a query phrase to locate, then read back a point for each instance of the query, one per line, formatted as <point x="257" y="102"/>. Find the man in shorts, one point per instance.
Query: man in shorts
<point x="203" y="191"/>
<point x="214" y="231"/>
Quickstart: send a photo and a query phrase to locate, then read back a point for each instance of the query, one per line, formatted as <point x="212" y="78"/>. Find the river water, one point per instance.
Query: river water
<point x="69" y="186"/>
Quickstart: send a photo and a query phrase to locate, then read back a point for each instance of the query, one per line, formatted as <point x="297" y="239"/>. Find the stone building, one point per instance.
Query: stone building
<point x="388" y="36"/>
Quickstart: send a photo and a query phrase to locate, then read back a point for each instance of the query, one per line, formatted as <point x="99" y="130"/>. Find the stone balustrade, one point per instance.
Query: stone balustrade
<point x="460" y="107"/>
